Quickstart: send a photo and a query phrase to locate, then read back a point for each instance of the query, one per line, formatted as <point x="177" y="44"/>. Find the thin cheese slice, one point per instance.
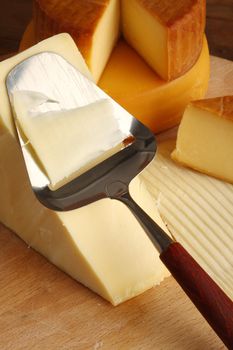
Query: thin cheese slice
<point x="101" y="245"/>
<point x="63" y="141"/>
<point x="94" y="26"/>
<point x="205" y="137"/>
<point x="168" y="34"/>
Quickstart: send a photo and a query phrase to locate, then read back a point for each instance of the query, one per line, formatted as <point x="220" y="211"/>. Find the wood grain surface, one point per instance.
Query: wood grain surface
<point x="15" y="15"/>
<point x="43" y="308"/>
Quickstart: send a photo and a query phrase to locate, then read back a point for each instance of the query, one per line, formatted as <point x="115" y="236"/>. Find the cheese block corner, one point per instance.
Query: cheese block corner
<point x="101" y="245"/>
<point x="205" y="137"/>
<point x="167" y="34"/>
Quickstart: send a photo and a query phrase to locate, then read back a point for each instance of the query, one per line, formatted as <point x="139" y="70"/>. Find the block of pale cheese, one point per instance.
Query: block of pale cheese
<point x="134" y="85"/>
<point x="101" y="245"/>
<point x="205" y="137"/>
<point x="156" y="103"/>
<point x="167" y="34"/>
<point x="71" y="147"/>
<point x="94" y="25"/>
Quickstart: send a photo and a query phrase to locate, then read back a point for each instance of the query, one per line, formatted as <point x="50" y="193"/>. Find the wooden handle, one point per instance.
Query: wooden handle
<point x="210" y="300"/>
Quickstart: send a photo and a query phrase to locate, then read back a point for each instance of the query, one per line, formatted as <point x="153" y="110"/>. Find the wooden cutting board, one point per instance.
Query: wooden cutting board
<point x="43" y="308"/>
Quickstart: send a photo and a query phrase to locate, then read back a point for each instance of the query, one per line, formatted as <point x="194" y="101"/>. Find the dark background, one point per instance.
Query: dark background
<point x="15" y="14"/>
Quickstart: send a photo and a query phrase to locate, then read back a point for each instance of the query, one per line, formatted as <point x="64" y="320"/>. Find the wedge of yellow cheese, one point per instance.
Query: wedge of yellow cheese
<point x="135" y="86"/>
<point x="94" y="25"/>
<point x="205" y="137"/>
<point x="168" y="34"/>
<point x="101" y="245"/>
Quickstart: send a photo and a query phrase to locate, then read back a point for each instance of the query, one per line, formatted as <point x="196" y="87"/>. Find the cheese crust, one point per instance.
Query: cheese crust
<point x="79" y="18"/>
<point x="178" y="28"/>
<point x="220" y="106"/>
<point x="94" y="26"/>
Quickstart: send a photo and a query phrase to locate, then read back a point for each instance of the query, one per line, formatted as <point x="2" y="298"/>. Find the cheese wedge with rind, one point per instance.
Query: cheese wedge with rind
<point x="102" y="245"/>
<point x="205" y="137"/>
<point x="94" y="26"/>
<point x="167" y="34"/>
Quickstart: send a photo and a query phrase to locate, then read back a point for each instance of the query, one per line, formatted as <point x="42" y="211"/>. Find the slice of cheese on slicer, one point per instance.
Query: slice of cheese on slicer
<point x="94" y="26"/>
<point x="167" y="34"/>
<point x="101" y="245"/>
<point x="205" y="137"/>
<point x="67" y="142"/>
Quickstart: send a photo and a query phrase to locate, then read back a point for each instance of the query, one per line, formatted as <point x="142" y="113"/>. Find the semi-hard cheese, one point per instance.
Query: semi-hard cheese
<point x="168" y="34"/>
<point x="205" y="137"/>
<point x="134" y="85"/>
<point x="94" y="25"/>
<point x="101" y="245"/>
<point x="156" y="103"/>
<point x="71" y="147"/>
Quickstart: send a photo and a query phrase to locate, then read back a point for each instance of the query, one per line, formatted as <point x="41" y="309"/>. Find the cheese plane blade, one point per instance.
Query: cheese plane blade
<point x="58" y="87"/>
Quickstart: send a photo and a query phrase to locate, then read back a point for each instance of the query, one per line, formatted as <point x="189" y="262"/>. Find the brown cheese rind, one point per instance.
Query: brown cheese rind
<point x="185" y="22"/>
<point x="78" y="18"/>
<point x="221" y="106"/>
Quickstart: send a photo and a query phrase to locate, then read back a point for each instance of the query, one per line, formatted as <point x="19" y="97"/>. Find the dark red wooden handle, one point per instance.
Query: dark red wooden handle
<point x="208" y="297"/>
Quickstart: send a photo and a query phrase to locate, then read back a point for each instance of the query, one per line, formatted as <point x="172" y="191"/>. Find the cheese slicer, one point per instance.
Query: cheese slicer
<point x="49" y="74"/>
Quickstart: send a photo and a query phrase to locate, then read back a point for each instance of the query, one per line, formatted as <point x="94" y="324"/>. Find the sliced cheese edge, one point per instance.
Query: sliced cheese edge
<point x="102" y="245"/>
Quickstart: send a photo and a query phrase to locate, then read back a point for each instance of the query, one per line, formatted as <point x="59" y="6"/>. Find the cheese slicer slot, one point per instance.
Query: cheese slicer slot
<point x="59" y="88"/>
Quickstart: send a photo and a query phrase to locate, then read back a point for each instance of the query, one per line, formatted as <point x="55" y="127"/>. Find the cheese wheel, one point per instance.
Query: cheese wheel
<point x="134" y="85"/>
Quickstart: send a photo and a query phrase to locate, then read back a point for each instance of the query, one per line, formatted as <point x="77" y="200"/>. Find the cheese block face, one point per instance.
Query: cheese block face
<point x="63" y="141"/>
<point x="101" y="245"/>
<point x="94" y="26"/>
<point x="156" y="103"/>
<point x="205" y="137"/>
<point x="168" y="34"/>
